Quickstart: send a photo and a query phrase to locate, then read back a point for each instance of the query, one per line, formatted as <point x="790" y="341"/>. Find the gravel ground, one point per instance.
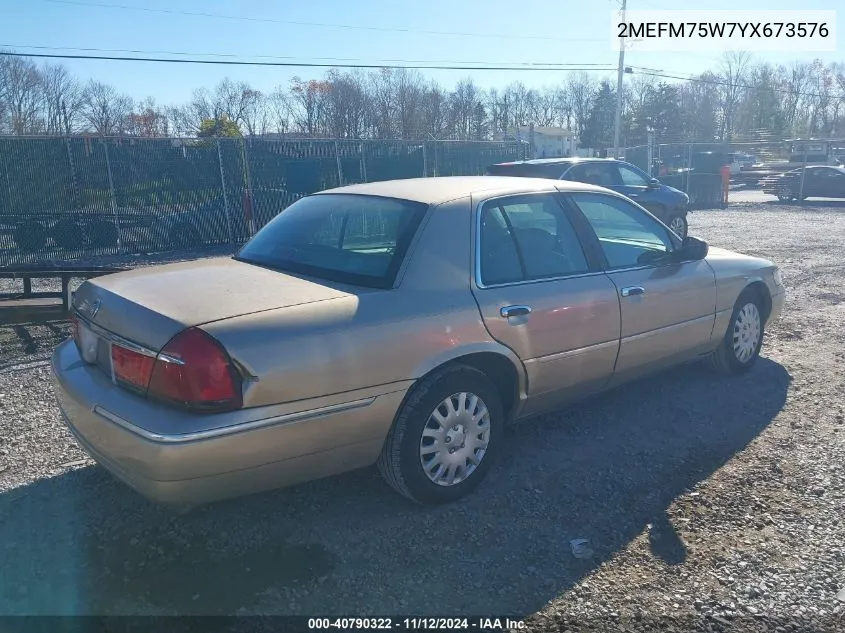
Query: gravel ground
<point x="708" y="503"/>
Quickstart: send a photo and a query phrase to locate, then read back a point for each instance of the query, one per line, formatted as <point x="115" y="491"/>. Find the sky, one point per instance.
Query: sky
<point x="367" y="31"/>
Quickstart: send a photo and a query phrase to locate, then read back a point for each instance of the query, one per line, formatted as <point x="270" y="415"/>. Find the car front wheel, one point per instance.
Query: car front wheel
<point x="678" y="224"/>
<point x="741" y="344"/>
<point x="445" y="437"/>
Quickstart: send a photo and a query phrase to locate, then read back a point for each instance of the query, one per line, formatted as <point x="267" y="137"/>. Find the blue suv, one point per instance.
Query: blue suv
<point x="669" y="205"/>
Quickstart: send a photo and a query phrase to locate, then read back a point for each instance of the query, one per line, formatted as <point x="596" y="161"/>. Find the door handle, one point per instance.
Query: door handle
<point x="512" y="311"/>
<point x="632" y="291"/>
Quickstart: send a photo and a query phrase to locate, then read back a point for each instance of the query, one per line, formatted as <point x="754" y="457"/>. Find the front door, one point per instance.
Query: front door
<point x="540" y="295"/>
<point x="668" y="308"/>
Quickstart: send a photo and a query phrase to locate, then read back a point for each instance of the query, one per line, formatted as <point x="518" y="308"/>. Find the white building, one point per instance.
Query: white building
<point x="548" y="142"/>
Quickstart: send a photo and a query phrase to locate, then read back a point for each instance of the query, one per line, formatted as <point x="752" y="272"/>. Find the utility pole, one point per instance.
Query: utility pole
<point x="618" y="120"/>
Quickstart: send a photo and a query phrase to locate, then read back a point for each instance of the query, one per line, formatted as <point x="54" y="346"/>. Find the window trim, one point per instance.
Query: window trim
<point x="594" y="268"/>
<point x="596" y="242"/>
<point x="633" y="168"/>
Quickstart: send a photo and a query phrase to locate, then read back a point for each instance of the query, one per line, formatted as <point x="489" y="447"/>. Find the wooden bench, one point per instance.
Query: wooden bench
<point x="28" y="304"/>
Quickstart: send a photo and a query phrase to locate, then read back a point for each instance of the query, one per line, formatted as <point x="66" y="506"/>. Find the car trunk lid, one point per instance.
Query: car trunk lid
<point x="150" y="305"/>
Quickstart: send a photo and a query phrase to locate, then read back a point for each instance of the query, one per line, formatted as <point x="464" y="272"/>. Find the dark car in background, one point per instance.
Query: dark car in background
<point x="669" y="205"/>
<point x="820" y="181"/>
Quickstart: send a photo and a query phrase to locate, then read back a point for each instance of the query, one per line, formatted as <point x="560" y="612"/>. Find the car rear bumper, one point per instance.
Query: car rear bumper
<point x="227" y="461"/>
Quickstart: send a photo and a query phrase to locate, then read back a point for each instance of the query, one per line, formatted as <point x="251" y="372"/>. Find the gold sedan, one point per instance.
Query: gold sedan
<point x="402" y="323"/>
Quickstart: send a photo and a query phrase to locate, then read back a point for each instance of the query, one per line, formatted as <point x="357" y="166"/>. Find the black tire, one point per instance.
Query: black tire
<point x="30" y="236"/>
<point x="67" y="234"/>
<point x="400" y="463"/>
<point x="681" y="220"/>
<point x="102" y="234"/>
<point x="785" y="193"/>
<point x="724" y="358"/>
<point x="184" y="235"/>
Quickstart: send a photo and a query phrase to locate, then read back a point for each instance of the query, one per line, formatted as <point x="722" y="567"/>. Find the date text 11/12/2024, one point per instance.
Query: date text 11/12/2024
<point x="415" y="624"/>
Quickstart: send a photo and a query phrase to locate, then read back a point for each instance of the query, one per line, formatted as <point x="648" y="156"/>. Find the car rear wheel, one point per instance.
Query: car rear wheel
<point x="784" y="194"/>
<point x="741" y="344"/>
<point x="678" y="224"/>
<point x="445" y="437"/>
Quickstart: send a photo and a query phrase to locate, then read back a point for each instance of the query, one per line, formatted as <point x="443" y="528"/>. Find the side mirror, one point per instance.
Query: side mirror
<point x="692" y="250"/>
<point x="654" y="183"/>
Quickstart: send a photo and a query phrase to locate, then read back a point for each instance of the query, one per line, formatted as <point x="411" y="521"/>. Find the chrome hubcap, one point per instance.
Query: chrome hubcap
<point x="677" y="225"/>
<point x="784" y="193"/>
<point x="746" y="334"/>
<point x="455" y="438"/>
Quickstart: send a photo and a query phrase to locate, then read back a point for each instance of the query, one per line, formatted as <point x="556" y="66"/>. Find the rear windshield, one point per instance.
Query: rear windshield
<point x="354" y="239"/>
<point x="527" y="170"/>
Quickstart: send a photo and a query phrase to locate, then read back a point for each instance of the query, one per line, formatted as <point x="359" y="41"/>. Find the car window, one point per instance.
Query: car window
<point x="339" y="237"/>
<point x="526" y="238"/>
<point x="631" y="178"/>
<point x="628" y="236"/>
<point x="601" y="174"/>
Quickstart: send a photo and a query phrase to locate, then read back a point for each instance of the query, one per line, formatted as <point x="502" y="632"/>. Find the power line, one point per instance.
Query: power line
<point x="716" y="82"/>
<point x="290" y="57"/>
<point x="228" y="62"/>
<point x="321" y="24"/>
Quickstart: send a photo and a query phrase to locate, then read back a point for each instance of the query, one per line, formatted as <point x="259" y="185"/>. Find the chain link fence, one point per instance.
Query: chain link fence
<point x="695" y="168"/>
<point x="69" y="198"/>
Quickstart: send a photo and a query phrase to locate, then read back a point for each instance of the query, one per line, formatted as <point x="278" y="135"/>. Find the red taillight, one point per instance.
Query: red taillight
<point x="131" y="368"/>
<point x="195" y="371"/>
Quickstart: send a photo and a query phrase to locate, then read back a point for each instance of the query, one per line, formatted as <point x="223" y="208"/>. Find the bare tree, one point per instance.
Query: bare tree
<point x="254" y="114"/>
<point x="21" y="92"/>
<point x="62" y="100"/>
<point x="104" y="109"/>
<point x="820" y="100"/>
<point x="543" y="105"/>
<point x="239" y="102"/>
<point x="384" y="103"/>
<point x="734" y="73"/>
<point x="464" y="102"/>
<point x="434" y="105"/>
<point x="563" y="107"/>
<point x="309" y="105"/>
<point x="279" y="110"/>
<point x="519" y="104"/>
<point x="408" y="86"/>
<point x="581" y="90"/>
<point x="794" y="81"/>
<point x="347" y="105"/>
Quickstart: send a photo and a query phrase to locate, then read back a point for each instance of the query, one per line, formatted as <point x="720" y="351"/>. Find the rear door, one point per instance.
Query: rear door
<point x="603" y="174"/>
<point x="814" y="183"/>
<point x="830" y="182"/>
<point x="668" y="309"/>
<point x="544" y="297"/>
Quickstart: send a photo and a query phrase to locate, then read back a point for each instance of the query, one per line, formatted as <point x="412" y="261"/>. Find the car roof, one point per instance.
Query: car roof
<point x="445" y="188"/>
<point x="563" y="161"/>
